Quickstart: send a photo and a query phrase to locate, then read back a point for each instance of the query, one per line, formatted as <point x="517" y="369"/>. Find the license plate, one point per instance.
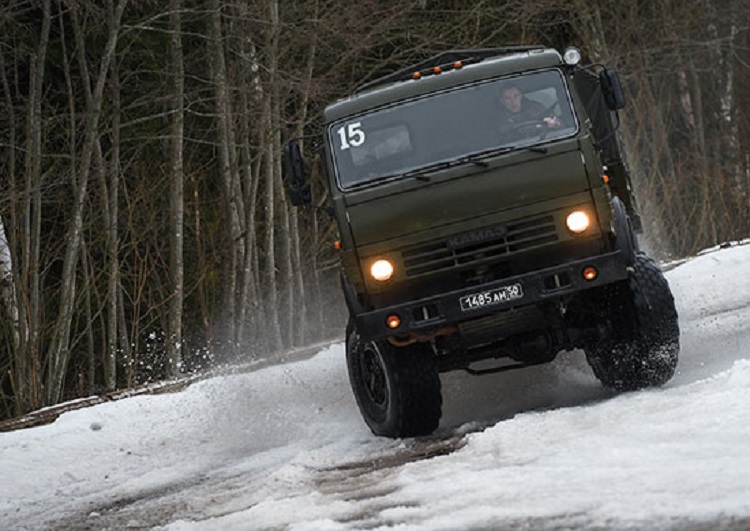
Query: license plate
<point x="491" y="297"/>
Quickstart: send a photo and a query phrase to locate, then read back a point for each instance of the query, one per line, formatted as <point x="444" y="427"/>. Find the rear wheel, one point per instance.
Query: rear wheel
<point x="397" y="388"/>
<point x="642" y="346"/>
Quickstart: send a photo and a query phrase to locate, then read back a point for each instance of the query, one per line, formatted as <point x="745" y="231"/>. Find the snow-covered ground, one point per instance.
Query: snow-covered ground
<point x="284" y="447"/>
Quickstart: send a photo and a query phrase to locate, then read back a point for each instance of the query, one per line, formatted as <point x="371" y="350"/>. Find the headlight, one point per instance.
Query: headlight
<point x="381" y="270"/>
<point x="577" y="221"/>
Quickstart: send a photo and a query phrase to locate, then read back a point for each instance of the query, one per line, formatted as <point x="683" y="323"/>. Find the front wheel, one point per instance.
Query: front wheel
<point x="642" y="346"/>
<point x="397" y="388"/>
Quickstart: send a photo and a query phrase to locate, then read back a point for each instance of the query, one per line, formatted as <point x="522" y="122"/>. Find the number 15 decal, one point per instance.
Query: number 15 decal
<point x="351" y="136"/>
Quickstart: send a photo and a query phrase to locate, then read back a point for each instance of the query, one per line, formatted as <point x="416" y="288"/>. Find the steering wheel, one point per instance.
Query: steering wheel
<point x="529" y="127"/>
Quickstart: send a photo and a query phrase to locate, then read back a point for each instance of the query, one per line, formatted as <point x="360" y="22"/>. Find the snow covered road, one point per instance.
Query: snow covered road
<point x="284" y="447"/>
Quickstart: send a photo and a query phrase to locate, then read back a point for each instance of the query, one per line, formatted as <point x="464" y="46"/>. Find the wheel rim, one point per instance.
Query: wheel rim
<point x="374" y="377"/>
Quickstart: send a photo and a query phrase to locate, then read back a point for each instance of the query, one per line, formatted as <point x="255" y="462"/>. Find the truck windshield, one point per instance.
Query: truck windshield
<point x="516" y="112"/>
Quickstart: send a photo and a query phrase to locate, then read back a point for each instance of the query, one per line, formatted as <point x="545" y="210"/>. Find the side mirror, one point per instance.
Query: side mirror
<point x="614" y="96"/>
<point x="294" y="175"/>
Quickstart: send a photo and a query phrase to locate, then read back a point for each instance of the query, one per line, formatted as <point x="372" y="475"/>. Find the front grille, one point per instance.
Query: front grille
<point x="479" y="247"/>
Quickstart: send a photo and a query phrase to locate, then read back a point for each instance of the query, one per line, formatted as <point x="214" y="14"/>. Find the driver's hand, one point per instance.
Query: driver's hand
<point x="552" y="121"/>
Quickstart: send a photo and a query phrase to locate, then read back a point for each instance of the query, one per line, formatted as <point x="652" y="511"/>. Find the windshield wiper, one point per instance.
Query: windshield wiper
<point x="422" y="174"/>
<point x="537" y="149"/>
<point x="477" y="159"/>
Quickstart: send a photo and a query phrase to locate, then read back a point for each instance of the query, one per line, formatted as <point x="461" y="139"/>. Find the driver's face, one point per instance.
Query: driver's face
<point x="512" y="99"/>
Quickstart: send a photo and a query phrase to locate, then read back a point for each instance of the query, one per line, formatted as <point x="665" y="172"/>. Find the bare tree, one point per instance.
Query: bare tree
<point x="228" y="170"/>
<point x="271" y="165"/>
<point x="29" y="356"/>
<point x="176" y="192"/>
<point x="59" y="352"/>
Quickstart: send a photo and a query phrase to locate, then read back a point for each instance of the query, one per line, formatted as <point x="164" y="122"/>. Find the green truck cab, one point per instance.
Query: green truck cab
<point x="485" y="212"/>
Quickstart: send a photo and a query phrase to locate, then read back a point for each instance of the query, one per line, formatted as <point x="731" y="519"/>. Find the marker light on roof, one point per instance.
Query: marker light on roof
<point x="572" y="56"/>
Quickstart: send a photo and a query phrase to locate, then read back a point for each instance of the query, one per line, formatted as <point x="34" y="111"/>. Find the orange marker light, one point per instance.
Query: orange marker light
<point x="393" y="321"/>
<point x="458" y="64"/>
<point x="337" y="245"/>
<point x="590" y="273"/>
<point x="437" y="70"/>
<point x="605" y="178"/>
<point x="416" y="75"/>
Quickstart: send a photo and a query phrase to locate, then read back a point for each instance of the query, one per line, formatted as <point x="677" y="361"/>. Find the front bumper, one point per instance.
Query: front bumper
<point x="423" y="317"/>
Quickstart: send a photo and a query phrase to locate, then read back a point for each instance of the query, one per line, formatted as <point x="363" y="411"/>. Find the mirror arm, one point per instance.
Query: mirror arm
<point x="316" y="145"/>
<point x="328" y="210"/>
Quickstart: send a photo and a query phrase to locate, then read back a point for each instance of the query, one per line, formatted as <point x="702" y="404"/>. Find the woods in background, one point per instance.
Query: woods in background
<point x="144" y="231"/>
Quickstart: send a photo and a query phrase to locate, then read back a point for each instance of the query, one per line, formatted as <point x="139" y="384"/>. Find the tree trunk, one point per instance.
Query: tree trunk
<point x="176" y="194"/>
<point x="248" y="294"/>
<point x="88" y="384"/>
<point x="10" y="260"/>
<point x="125" y="343"/>
<point x="8" y="301"/>
<point x="300" y="317"/>
<point x="113" y="240"/>
<point x="231" y="190"/>
<point x="270" y="137"/>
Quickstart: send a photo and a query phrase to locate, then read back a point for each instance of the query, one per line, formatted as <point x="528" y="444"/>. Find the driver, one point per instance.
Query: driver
<point x="518" y="109"/>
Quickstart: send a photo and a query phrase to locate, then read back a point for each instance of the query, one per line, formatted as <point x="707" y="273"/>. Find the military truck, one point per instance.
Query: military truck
<point x="472" y="240"/>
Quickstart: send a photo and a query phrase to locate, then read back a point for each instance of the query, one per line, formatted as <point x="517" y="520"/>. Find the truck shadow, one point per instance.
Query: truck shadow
<point x="479" y="401"/>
